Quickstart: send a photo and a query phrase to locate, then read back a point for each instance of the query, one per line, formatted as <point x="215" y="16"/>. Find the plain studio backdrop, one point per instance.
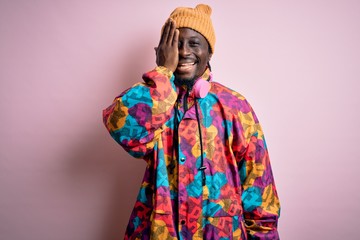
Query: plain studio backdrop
<point x="62" y="177"/>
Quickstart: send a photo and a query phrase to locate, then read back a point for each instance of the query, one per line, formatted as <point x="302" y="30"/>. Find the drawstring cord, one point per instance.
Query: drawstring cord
<point x="202" y="167"/>
<point x="175" y="138"/>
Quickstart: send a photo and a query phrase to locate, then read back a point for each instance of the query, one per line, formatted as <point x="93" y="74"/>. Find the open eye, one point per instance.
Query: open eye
<point x="194" y="43"/>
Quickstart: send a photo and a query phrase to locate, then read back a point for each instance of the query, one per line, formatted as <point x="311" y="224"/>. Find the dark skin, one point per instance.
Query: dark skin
<point x="183" y="51"/>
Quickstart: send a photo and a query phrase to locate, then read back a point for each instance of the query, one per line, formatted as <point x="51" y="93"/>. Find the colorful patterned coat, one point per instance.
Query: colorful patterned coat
<point x="238" y="199"/>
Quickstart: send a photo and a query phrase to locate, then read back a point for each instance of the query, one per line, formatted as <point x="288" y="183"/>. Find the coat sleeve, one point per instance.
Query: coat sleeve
<point x="136" y="116"/>
<point x="259" y="196"/>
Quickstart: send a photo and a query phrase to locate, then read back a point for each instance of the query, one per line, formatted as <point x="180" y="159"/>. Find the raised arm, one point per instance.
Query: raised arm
<point x="136" y="116"/>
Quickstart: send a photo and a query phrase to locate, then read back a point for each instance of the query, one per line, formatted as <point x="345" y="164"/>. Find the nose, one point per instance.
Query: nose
<point x="184" y="49"/>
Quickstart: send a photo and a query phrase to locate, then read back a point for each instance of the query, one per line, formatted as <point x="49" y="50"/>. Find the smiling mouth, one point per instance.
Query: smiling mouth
<point x="185" y="67"/>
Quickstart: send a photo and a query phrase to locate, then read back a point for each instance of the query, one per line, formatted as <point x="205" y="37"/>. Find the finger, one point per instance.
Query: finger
<point x="175" y="40"/>
<point x="171" y="32"/>
<point x="165" y="34"/>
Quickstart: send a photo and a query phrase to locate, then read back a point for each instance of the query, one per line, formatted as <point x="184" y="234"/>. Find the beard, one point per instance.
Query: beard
<point x="187" y="83"/>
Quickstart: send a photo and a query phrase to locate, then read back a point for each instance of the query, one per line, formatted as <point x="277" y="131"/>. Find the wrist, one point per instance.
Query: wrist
<point x="165" y="71"/>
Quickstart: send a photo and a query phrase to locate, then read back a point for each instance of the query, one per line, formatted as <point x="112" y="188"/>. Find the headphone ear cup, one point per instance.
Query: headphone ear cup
<point x="201" y="88"/>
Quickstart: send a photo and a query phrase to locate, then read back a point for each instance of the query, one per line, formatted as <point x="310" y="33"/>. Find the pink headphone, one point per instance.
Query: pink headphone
<point x="201" y="88"/>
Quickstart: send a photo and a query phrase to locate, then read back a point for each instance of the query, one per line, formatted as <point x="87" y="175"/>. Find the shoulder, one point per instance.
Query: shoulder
<point x="218" y="88"/>
<point x="229" y="97"/>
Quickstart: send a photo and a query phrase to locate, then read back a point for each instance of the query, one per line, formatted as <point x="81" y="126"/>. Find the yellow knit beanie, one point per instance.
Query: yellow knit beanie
<point x="198" y="19"/>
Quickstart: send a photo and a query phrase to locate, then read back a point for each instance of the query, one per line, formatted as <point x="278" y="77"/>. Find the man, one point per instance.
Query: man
<point x="208" y="174"/>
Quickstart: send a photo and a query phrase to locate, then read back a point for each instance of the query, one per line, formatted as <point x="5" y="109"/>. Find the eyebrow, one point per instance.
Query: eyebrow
<point x="194" y="38"/>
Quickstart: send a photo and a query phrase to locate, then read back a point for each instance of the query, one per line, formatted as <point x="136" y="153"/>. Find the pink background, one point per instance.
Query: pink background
<point x="62" y="177"/>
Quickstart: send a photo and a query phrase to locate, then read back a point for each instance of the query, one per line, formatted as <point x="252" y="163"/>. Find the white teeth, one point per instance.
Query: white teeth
<point x="183" y="67"/>
<point x="186" y="64"/>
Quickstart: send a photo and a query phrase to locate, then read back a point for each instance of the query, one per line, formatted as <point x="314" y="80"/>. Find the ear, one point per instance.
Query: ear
<point x="209" y="58"/>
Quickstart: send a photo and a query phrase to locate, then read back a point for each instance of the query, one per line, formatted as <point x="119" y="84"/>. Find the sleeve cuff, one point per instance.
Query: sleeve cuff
<point x="165" y="71"/>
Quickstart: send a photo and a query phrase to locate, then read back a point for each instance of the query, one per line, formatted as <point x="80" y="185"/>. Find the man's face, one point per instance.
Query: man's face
<point x="193" y="55"/>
